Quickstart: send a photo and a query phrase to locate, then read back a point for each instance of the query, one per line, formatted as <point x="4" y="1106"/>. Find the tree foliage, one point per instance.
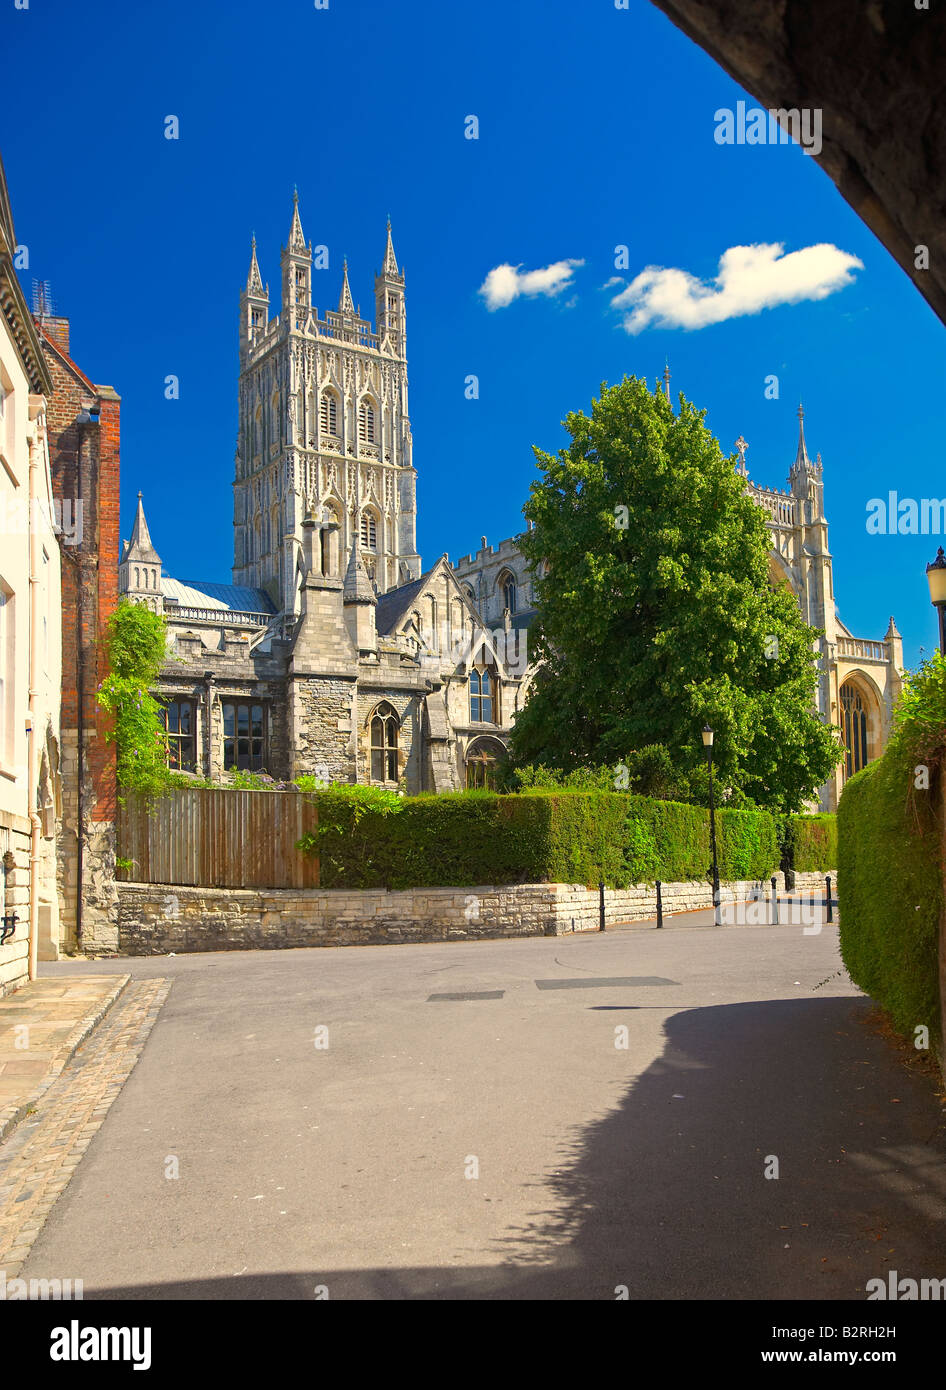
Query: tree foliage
<point x="657" y="614"/>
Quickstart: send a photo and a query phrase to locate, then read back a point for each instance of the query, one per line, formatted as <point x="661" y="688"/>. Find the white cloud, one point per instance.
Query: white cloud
<point x="751" y="278"/>
<point x="504" y="283"/>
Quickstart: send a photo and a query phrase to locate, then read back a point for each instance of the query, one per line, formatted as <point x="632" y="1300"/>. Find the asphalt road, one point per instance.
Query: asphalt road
<point x="603" y="1115"/>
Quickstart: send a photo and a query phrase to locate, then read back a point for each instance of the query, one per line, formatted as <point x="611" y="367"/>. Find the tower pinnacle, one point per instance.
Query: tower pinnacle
<point x="296" y="239"/>
<point x="254" y="281"/>
<point x="801" y="456"/>
<point x="390" y="262"/>
<point x="345" y="302"/>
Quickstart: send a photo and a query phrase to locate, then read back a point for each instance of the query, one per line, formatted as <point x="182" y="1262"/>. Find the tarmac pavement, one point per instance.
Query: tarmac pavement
<point x="552" y="1118"/>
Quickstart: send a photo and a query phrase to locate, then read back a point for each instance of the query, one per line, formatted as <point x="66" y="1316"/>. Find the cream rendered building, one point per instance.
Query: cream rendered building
<point x="30" y="638"/>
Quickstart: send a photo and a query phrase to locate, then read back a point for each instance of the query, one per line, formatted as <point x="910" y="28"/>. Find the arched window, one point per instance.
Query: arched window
<point x="137" y="578"/>
<point x="853" y="729"/>
<point x="482" y="687"/>
<point x="366" y="421"/>
<point x="329" y="413"/>
<point x="384" y="727"/>
<point x="507" y="587"/>
<point x="369" y="531"/>
<point x="481" y="760"/>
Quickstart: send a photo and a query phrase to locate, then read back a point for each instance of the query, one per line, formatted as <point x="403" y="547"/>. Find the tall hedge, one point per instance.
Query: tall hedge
<point x="461" y="839"/>
<point x="890" y="891"/>
<point x="813" y="843"/>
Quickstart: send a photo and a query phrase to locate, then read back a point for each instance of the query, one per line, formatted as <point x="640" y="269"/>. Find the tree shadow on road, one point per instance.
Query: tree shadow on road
<point x="667" y="1196"/>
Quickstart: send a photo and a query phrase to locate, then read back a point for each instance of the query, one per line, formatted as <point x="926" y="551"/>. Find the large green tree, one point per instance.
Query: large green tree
<point x="657" y="614"/>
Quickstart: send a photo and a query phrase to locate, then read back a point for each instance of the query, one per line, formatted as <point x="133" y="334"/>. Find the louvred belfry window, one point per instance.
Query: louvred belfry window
<point x="329" y="413"/>
<point x="369" y="531"/>
<point x="366" y="427"/>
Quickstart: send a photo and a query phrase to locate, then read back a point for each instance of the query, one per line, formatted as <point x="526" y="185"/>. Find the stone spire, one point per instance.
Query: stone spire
<point x="345" y="302"/>
<point x="390" y="263"/>
<point x="296" y="239"/>
<point x="140" y="547"/>
<point x="254" y="281"/>
<point x="358" y="587"/>
<point x="139" y="571"/>
<point x="801" y="456"/>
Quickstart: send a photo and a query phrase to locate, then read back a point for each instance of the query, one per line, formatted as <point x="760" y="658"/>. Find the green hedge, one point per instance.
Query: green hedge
<point x="467" y="838"/>
<point x="890" y="892"/>
<point x="812" y="843"/>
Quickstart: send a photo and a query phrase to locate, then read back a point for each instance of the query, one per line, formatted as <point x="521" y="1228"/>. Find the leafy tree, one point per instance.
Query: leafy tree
<point x="657" y="614"/>
<point x="136" y="642"/>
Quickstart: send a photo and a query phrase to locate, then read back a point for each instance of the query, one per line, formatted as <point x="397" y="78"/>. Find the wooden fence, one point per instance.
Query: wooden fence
<point x="218" y="839"/>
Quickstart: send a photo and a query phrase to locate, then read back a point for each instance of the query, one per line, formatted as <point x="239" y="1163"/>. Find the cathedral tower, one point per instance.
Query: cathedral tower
<point x="324" y="430"/>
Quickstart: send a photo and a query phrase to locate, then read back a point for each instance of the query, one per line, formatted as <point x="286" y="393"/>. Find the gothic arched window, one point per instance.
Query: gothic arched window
<point x="369" y="531"/>
<point x="366" y="421"/>
<point x="481" y="759"/>
<point x="482" y="695"/>
<point x="507" y="587"/>
<point x="384" y="730"/>
<point x="853" y="729"/>
<point x="329" y="412"/>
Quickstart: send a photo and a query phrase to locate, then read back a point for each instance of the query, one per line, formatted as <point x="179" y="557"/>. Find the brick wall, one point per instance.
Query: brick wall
<point x="84" y="463"/>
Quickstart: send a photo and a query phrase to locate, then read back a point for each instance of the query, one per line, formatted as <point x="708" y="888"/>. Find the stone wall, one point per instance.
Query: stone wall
<point x="155" y="918"/>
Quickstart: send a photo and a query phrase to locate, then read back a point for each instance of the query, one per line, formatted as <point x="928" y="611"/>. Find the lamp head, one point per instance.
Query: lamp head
<point x="936" y="578"/>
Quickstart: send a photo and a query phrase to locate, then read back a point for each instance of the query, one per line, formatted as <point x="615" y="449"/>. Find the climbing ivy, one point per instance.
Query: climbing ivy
<point x="135" y="644"/>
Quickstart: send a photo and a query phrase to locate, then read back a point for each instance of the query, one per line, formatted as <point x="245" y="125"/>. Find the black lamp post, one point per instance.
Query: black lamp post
<point x="936" y="578"/>
<point x="708" y="745"/>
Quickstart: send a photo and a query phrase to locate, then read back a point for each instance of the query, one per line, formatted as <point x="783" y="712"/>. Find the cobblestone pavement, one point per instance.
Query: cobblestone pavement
<point x="41" y="1026"/>
<point x="38" y="1160"/>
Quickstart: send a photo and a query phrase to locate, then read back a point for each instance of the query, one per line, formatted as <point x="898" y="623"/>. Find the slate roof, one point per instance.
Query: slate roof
<point x="396" y="602"/>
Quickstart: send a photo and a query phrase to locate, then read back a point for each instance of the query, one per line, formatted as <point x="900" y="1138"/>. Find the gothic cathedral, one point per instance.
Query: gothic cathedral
<point x="332" y="652"/>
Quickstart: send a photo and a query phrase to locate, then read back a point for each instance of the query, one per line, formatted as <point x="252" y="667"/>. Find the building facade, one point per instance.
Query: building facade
<point x="30" y="633"/>
<point x="84" y="445"/>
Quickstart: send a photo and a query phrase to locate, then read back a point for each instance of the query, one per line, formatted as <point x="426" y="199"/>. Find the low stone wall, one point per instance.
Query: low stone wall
<point x="155" y="918"/>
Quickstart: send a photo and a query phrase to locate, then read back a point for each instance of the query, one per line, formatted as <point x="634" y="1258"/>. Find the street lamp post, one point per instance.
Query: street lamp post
<point x="936" y="578"/>
<point x="708" y="745"/>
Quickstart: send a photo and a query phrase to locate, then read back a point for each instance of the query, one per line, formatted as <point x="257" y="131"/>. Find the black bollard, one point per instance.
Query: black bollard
<point x="829" y="902"/>
<point x="600" y="905"/>
<point x="774" y="903"/>
<point x="660" y="906"/>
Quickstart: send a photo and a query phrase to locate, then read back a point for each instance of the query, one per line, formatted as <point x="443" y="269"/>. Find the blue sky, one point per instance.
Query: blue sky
<point x="596" y="129"/>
